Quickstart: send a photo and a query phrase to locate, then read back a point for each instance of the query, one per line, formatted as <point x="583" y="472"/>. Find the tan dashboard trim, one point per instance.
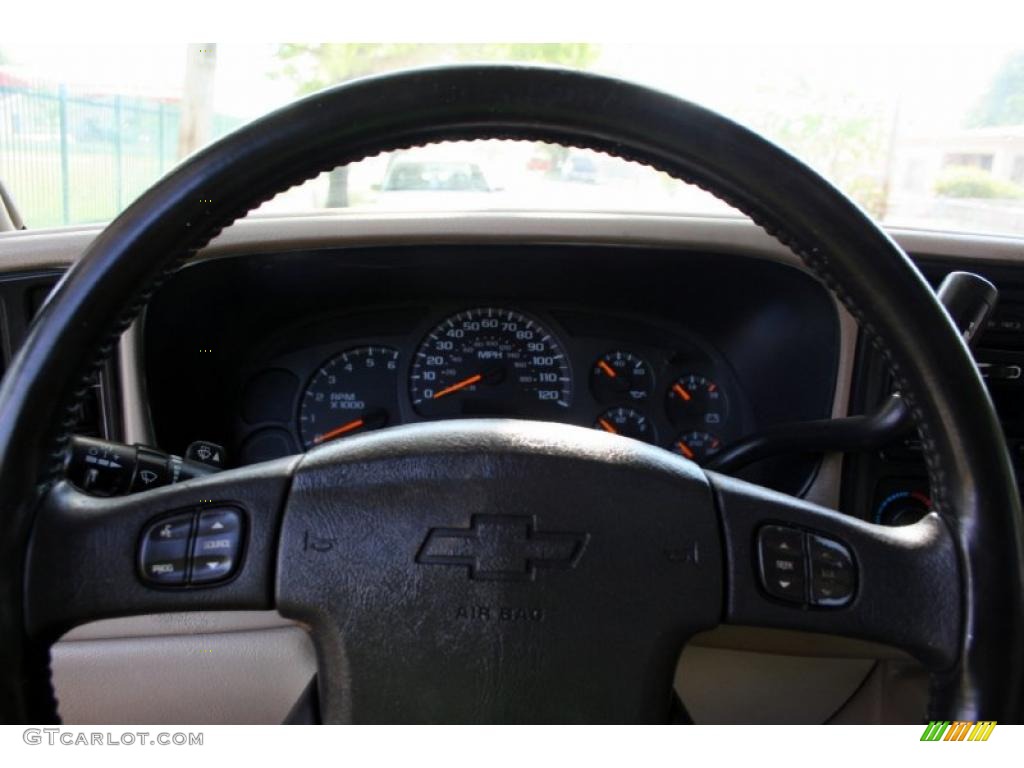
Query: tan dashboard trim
<point x="45" y="249"/>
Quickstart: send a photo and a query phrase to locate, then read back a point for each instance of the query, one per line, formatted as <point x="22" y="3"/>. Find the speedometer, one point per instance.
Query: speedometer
<point x="490" y="362"/>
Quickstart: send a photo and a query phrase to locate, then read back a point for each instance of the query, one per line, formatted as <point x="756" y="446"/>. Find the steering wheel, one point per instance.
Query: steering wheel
<point x="495" y="570"/>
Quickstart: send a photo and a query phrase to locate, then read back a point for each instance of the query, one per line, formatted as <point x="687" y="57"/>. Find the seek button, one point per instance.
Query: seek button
<point x="216" y="546"/>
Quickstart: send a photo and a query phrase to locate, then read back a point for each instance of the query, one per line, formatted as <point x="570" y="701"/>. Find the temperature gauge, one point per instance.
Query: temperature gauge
<point x="697" y="446"/>
<point x="903" y="508"/>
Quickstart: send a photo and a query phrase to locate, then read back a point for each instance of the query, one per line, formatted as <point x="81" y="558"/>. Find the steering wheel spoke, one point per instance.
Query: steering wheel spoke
<point x="208" y="544"/>
<point x="791" y="564"/>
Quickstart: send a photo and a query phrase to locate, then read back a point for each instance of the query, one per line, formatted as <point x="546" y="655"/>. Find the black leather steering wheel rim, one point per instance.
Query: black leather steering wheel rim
<point x="972" y="478"/>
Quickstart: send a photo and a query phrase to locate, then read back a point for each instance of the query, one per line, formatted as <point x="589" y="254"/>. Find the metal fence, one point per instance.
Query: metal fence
<point x="73" y="158"/>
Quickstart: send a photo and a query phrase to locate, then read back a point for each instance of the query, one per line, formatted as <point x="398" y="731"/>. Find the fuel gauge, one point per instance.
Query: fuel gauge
<point x="621" y="376"/>
<point x="903" y="507"/>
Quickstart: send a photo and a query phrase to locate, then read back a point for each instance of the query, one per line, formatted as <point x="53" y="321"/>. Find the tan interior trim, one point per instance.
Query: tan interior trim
<point x="37" y="249"/>
<point x="10" y="218"/>
<point x="135" y="416"/>
<point x="245" y="676"/>
<point x="169" y="624"/>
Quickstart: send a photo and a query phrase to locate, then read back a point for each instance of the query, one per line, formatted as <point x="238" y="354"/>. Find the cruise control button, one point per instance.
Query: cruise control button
<point x="830" y="551"/>
<point x="165" y="548"/>
<point x="823" y="572"/>
<point x="833" y="574"/>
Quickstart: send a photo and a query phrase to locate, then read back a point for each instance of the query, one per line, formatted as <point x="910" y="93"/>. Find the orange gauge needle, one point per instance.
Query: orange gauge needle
<point x="338" y="431"/>
<point x="607" y="427"/>
<point x="607" y="369"/>
<point x="678" y="389"/>
<point x="686" y="450"/>
<point x="458" y="385"/>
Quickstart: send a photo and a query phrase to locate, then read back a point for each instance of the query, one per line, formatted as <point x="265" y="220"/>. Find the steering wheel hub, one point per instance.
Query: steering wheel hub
<point x="499" y="570"/>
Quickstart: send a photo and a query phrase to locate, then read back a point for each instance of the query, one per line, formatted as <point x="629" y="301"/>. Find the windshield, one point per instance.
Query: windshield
<point x="920" y="137"/>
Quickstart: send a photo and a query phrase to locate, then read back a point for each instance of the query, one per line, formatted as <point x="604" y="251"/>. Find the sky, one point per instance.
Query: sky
<point x="801" y="72"/>
<point x="934" y="84"/>
<point x="242" y="87"/>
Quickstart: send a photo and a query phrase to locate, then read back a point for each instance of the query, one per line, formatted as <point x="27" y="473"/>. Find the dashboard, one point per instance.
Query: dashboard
<point x="232" y="343"/>
<point x="686" y="352"/>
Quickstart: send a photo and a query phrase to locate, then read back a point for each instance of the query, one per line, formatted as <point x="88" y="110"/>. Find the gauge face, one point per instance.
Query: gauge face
<point x="697" y="401"/>
<point x="697" y="446"/>
<point x="490" y="362"/>
<point x="351" y="393"/>
<point x="627" y="422"/>
<point x="621" y="376"/>
<point x="903" y="508"/>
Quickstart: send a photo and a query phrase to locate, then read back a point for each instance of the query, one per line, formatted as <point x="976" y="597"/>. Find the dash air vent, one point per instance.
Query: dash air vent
<point x="21" y="298"/>
<point x="1006" y="327"/>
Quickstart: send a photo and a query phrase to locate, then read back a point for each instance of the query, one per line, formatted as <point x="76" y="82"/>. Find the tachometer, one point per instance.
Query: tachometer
<point x="490" y="362"/>
<point x="354" y="392"/>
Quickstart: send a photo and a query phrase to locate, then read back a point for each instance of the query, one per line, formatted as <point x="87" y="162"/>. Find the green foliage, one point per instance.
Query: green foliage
<point x="869" y="192"/>
<point x="841" y="134"/>
<point x="970" y="182"/>
<point x="1003" y="104"/>
<point x="313" y="67"/>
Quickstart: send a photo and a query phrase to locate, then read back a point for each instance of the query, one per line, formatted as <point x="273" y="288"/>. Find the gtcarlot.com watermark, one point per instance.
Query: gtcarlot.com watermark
<point x="76" y="738"/>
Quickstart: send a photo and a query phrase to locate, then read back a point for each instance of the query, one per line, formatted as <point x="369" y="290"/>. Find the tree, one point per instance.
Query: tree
<point x="845" y="136"/>
<point x="313" y="67"/>
<point x="197" y="97"/>
<point x="1003" y="103"/>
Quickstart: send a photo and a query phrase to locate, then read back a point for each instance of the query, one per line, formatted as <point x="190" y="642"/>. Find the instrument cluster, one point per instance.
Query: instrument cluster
<point x="665" y="388"/>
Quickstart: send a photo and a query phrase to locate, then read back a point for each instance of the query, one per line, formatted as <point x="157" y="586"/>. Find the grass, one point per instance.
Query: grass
<point x="34" y="180"/>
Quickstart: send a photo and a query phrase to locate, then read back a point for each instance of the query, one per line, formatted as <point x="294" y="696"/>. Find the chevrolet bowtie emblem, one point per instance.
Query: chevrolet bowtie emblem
<point x="501" y="547"/>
